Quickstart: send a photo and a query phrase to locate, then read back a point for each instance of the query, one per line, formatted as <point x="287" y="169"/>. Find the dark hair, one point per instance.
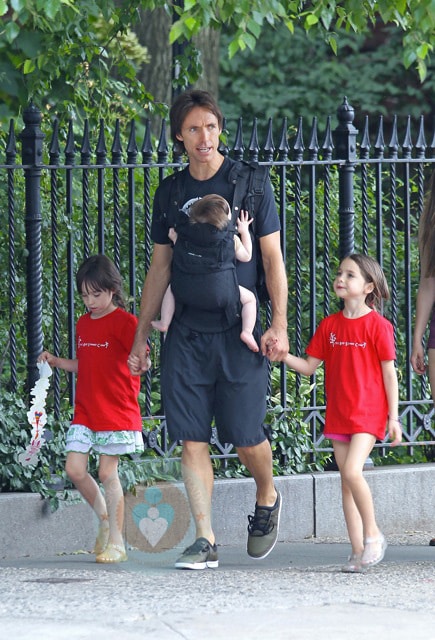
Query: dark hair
<point x="184" y="104"/>
<point x="213" y="209"/>
<point x="100" y="274"/>
<point x="372" y="272"/>
<point x="426" y="232"/>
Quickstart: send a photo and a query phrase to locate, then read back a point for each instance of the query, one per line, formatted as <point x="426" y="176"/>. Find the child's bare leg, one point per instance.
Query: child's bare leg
<point x="249" y="317"/>
<point x="108" y="474"/>
<point x="77" y="469"/>
<point x="167" y="311"/>
<point x="350" y="510"/>
<point x="359" y="498"/>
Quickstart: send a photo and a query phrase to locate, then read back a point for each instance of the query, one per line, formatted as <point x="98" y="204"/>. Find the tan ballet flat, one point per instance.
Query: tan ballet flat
<point x="111" y="554"/>
<point x="101" y="541"/>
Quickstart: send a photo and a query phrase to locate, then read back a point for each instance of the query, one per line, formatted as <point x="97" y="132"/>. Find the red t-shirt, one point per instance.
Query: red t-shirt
<point x="106" y="392"/>
<point x="352" y="350"/>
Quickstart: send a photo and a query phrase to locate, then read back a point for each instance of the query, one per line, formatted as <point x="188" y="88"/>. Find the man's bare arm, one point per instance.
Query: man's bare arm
<point x="274" y="342"/>
<point x="156" y="283"/>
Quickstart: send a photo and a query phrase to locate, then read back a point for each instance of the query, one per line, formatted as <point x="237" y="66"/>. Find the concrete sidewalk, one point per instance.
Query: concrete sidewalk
<point x="51" y="588"/>
<point x="296" y="593"/>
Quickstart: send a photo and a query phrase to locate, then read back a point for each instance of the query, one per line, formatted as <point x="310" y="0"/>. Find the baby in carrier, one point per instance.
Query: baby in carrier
<point x="204" y="265"/>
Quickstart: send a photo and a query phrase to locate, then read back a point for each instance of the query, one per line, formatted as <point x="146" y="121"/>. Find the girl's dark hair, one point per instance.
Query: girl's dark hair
<point x="426" y="232"/>
<point x="213" y="209"/>
<point x="372" y="272"/>
<point x="184" y="104"/>
<point x="100" y="274"/>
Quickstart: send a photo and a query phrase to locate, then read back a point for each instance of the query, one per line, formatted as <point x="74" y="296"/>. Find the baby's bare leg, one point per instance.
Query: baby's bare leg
<point x="167" y="312"/>
<point x="249" y="317"/>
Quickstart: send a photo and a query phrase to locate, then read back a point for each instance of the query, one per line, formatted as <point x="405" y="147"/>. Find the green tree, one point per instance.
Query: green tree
<point x="84" y="52"/>
<point x="307" y="79"/>
<point x="415" y="19"/>
<point x="75" y="58"/>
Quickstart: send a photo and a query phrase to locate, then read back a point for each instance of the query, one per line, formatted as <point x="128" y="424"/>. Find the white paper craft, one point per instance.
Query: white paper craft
<point x="36" y="415"/>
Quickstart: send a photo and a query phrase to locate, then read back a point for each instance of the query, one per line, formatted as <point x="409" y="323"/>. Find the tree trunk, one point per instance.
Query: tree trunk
<point x="153" y="33"/>
<point x="207" y="43"/>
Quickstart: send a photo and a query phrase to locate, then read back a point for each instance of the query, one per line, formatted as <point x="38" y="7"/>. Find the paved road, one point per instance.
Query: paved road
<point x="296" y="593"/>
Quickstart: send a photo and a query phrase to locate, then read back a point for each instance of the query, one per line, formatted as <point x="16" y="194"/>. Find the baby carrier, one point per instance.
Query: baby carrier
<point x="204" y="270"/>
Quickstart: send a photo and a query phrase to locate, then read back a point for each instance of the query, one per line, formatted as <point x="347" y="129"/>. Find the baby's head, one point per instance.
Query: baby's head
<point x="212" y="209"/>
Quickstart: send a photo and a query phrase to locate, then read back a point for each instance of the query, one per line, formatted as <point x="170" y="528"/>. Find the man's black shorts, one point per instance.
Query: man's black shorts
<point x="213" y="375"/>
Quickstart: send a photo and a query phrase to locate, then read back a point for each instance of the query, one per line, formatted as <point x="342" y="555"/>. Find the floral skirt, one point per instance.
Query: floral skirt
<point x="80" y="439"/>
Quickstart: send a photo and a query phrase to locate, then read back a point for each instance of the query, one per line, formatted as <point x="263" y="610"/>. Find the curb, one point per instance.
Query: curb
<point x="159" y="520"/>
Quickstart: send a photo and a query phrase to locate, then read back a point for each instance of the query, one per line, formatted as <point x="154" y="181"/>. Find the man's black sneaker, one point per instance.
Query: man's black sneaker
<point x="200" y="555"/>
<point x="263" y="529"/>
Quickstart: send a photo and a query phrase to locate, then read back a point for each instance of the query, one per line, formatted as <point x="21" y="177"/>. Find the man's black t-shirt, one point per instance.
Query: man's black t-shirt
<point x="266" y="222"/>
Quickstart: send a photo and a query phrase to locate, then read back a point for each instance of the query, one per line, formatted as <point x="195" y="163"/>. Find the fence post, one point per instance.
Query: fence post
<point x="345" y="145"/>
<point x="31" y="138"/>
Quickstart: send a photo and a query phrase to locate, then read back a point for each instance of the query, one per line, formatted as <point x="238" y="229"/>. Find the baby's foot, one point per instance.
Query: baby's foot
<point x="159" y="325"/>
<point x="249" y="340"/>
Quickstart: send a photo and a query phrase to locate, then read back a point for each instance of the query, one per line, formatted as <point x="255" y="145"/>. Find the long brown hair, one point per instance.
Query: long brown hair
<point x="426" y="232"/>
<point x="372" y="272"/>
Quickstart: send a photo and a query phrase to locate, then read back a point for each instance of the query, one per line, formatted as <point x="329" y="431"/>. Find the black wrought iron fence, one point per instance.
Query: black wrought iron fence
<point x="70" y="197"/>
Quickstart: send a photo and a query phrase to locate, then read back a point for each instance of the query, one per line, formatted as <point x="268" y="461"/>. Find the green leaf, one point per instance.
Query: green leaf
<point x="249" y="41"/>
<point x="233" y="47"/>
<point x="52" y="8"/>
<point x="29" y="66"/>
<point x="333" y="44"/>
<point x="254" y="28"/>
<point x="311" y="20"/>
<point x="290" y="26"/>
<point x="192" y="24"/>
<point x="423" y="50"/>
<point x="12" y="31"/>
<point x="176" y="32"/>
<point x="422" y="70"/>
<point x="18" y="5"/>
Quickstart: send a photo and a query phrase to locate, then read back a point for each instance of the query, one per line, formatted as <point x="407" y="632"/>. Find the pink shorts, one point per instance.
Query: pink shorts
<point x="342" y="437"/>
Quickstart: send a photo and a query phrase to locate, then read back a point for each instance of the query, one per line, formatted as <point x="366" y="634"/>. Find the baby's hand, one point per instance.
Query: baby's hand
<point x="243" y="221"/>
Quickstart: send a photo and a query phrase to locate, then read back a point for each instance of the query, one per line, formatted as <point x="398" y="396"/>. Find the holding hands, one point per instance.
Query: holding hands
<point x="137" y="364"/>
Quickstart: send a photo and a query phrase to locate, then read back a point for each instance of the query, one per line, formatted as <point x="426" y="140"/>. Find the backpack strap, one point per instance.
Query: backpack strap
<point x="249" y="179"/>
<point x="171" y="197"/>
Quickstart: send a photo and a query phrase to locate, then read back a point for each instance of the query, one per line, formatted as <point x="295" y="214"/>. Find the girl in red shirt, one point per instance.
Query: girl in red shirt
<point x="107" y="417"/>
<point x="357" y="346"/>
